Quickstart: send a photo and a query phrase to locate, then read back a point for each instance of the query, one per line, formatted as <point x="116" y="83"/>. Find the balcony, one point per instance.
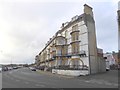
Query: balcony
<point x="59" y="55"/>
<point x="81" y="53"/>
<point x="74" y="32"/>
<point x="69" y="55"/>
<point x="60" y="40"/>
<point x="75" y="41"/>
<point x="62" y="55"/>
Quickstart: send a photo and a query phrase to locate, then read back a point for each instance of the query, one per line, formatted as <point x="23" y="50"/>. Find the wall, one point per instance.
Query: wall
<point x="92" y="45"/>
<point x="84" y="42"/>
<point x="101" y="64"/>
<point x="70" y="72"/>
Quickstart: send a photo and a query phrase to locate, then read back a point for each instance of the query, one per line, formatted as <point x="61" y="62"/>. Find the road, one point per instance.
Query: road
<point x="25" y="78"/>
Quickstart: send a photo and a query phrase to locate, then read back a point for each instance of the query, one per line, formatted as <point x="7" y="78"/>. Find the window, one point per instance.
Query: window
<point x="75" y="48"/>
<point x="59" y="51"/>
<point x="75" y="28"/>
<point x="77" y="37"/>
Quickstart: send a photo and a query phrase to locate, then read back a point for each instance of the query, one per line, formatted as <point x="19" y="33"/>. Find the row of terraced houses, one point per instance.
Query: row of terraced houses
<point x="73" y="49"/>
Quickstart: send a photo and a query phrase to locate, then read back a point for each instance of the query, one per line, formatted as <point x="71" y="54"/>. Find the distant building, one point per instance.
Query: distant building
<point x="73" y="47"/>
<point x="118" y="32"/>
<point x="115" y="56"/>
<point x="110" y="58"/>
<point x="37" y="60"/>
<point x="101" y="60"/>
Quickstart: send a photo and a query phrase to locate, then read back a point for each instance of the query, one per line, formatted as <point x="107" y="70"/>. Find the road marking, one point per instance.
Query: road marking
<point x="39" y="85"/>
<point x="64" y="76"/>
<point x="87" y="81"/>
<point x="26" y="82"/>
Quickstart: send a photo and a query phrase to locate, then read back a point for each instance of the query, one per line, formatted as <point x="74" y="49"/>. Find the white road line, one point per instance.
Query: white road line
<point x="26" y="82"/>
<point x="39" y="85"/>
<point x="87" y="81"/>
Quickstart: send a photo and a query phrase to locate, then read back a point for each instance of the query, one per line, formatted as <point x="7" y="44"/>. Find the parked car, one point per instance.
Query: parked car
<point x="107" y="66"/>
<point x="10" y="68"/>
<point x="4" y="68"/>
<point x="19" y="66"/>
<point x="32" y="68"/>
<point x="15" y="67"/>
<point x="0" y="69"/>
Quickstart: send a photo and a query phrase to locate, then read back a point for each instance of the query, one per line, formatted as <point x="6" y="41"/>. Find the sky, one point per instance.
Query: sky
<point x="27" y="25"/>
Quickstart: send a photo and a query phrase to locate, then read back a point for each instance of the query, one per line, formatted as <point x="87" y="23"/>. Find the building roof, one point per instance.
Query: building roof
<point x="88" y="6"/>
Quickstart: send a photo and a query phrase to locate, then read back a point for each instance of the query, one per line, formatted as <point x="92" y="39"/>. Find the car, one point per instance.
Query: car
<point x="32" y="68"/>
<point x="107" y="65"/>
<point x="15" y="67"/>
<point x="10" y="68"/>
<point x="4" y="68"/>
<point x="19" y="66"/>
<point x="0" y="69"/>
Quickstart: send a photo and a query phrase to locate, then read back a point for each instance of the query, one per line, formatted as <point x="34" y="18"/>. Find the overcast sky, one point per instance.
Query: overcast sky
<point x="26" y="25"/>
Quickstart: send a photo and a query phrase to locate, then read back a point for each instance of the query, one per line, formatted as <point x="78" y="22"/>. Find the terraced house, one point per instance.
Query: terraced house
<point x="73" y="48"/>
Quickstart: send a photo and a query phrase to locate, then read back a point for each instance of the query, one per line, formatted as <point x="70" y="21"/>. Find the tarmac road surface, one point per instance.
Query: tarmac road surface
<point x="25" y="78"/>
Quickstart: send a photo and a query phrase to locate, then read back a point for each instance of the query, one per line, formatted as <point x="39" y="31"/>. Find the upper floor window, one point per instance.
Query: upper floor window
<point x="75" y="36"/>
<point x="60" y="41"/>
<point x="75" y="28"/>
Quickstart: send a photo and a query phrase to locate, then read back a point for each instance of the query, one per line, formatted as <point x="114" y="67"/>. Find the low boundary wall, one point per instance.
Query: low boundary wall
<point x="70" y="72"/>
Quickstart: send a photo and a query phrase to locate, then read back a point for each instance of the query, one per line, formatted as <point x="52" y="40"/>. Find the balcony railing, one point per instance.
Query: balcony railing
<point x="81" y="53"/>
<point x="75" y="41"/>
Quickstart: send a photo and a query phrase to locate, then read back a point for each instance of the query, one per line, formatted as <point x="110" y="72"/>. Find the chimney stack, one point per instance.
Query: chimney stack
<point x="88" y="10"/>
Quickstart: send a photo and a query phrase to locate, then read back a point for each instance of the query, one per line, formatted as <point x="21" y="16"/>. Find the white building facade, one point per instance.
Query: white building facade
<point x="73" y="47"/>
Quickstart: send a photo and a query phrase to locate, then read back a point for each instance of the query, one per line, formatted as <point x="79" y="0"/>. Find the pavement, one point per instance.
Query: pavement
<point x="25" y="78"/>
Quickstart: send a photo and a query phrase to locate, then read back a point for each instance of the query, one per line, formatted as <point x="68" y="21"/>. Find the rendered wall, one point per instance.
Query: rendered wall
<point x="92" y="45"/>
<point x="70" y="72"/>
